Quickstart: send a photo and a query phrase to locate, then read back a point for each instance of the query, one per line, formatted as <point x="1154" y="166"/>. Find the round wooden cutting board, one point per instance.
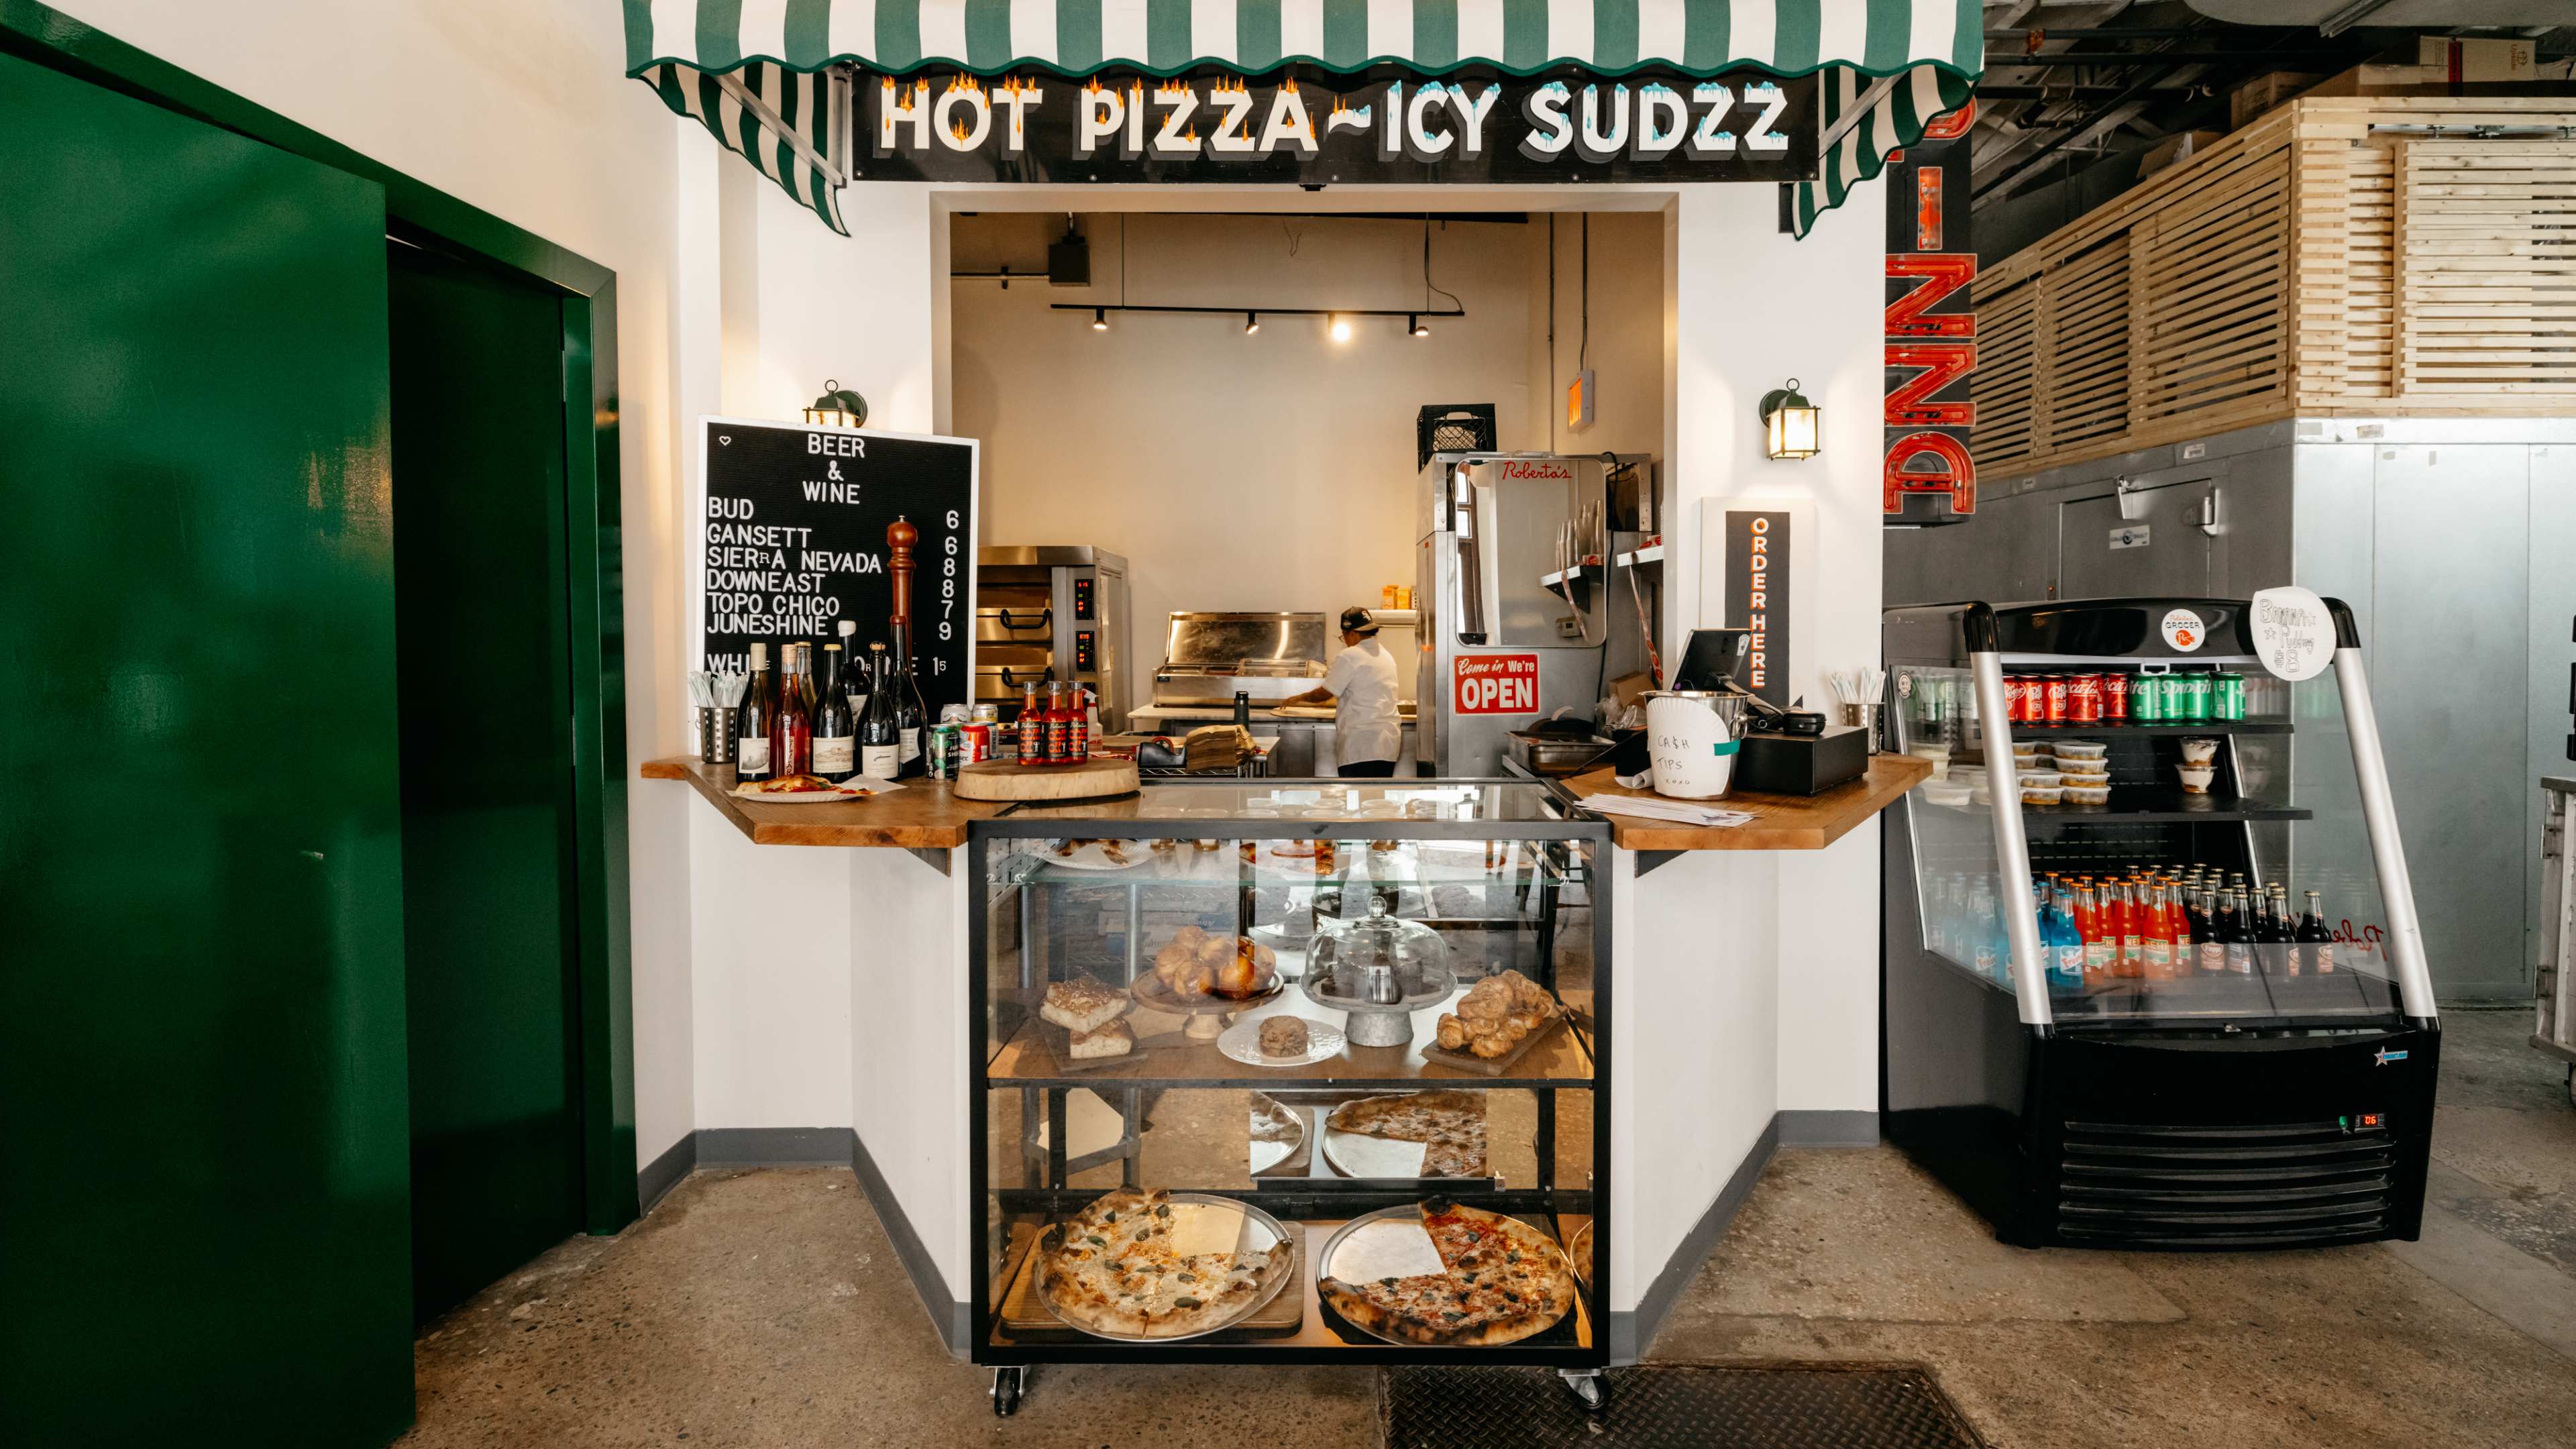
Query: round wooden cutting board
<point x="1006" y="780"/>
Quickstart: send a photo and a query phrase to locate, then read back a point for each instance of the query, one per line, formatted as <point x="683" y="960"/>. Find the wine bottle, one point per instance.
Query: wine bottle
<point x="880" y="740"/>
<point x="836" y="734"/>
<point x="911" y="716"/>
<point x="791" y="731"/>
<point x="751" y="730"/>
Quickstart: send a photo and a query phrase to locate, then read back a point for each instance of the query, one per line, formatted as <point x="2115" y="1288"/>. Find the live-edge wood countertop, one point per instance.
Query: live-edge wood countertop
<point x="923" y="815"/>
<point x="1780" y="822"/>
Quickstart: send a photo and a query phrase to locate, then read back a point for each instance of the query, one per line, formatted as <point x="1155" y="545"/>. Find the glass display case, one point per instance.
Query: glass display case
<point x="2166" y="991"/>
<point x="1443" y="952"/>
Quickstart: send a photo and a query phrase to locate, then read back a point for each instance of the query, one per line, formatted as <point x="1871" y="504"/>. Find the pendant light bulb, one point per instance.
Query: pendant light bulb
<point x="1341" y="329"/>
<point x="1416" y="326"/>
<point x="1251" y="323"/>
<point x="1099" y="319"/>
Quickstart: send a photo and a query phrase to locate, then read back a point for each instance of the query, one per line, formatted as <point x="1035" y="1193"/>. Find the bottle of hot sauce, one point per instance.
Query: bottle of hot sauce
<point x="1059" y="727"/>
<point x="1078" y="728"/>
<point x="1028" y="733"/>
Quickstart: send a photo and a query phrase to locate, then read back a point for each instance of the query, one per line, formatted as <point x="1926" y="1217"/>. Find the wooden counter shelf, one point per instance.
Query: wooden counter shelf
<point x="923" y="815"/>
<point x="1781" y="822"/>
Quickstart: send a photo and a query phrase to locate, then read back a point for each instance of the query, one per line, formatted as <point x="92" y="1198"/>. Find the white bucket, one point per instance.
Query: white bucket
<point x="1691" y="739"/>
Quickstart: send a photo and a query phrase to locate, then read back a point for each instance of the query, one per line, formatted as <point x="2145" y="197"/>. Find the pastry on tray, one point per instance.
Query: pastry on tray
<point x="1495" y="1014"/>
<point x="1113" y="1040"/>
<point x="1195" y="965"/>
<point x="1083" y="1004"/>
<point x="1283" y="1036"/>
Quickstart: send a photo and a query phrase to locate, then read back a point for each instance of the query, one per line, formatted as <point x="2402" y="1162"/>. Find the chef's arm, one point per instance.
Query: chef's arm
<point x="1317" y="695"/>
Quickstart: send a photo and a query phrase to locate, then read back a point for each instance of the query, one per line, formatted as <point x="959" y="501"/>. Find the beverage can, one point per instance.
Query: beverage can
<point x="2016" y="699"/>
<point x="2084" y="699"/>
<point x="979" y="739"/>
<point x="2228" y="699"/>
<point x="2147" y="699"/>
<point x="2115" y="697"/>
<point x="2055" y="685"/>
<point x="2195" y="696"/>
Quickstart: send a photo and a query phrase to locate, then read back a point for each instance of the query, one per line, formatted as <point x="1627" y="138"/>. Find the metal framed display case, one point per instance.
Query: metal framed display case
<point x="2235" y="1094"/>
<point x="1495" y="871"/>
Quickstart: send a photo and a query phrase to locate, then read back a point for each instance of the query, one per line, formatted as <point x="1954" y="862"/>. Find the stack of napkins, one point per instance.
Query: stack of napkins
<point x="1676" y="812"/>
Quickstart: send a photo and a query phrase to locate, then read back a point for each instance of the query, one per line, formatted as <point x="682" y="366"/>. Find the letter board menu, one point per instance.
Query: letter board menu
<point x="793" y="541"/>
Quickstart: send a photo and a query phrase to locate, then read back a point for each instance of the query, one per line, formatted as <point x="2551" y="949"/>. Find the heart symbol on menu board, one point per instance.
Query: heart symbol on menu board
<point x="725" y="438"/>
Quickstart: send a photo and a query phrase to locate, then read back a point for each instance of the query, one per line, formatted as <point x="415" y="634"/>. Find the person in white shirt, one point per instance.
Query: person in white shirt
<point x="1360" y="684"/>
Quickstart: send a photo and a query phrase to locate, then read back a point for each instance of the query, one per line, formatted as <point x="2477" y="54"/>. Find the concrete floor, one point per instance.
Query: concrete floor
<point x="767" y="1308"/>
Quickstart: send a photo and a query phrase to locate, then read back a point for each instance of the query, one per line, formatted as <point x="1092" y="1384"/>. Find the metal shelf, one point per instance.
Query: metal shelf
<point x="2027" y="731"/>
<point x="2161" y="805"/>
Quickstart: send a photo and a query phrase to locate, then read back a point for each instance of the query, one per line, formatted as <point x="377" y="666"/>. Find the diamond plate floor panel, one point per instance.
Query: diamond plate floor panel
<point x="1674" y="1406"/>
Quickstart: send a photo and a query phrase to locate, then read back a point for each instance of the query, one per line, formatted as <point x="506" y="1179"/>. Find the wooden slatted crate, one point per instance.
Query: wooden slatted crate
<point x="2371" y="257"/>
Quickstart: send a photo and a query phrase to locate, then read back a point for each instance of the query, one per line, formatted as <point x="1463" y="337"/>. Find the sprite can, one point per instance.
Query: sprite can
<point x="2195" y="697"/>
<point x="2228" y="698"/>
<point x="2147" y="699"/>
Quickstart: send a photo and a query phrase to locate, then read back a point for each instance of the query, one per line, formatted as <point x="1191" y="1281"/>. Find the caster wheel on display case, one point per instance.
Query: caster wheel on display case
<point x="1007" y="1384"/>
<point x="1589" y="1388"/>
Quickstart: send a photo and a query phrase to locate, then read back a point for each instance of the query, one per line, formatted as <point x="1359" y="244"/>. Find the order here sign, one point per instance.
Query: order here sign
<point x="1495" y="684"/>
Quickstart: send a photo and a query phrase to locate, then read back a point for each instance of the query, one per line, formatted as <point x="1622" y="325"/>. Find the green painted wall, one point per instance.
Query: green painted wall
<point x="205" y="1197"/>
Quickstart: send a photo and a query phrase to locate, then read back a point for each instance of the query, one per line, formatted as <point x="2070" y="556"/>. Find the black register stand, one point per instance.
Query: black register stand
<point x="2285" y="1102"/>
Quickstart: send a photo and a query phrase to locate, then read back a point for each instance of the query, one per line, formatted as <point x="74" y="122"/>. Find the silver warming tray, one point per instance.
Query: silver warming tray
<point x="1208" y="658"/>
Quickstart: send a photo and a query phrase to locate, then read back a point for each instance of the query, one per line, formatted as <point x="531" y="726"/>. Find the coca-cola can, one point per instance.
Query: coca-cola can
<point x="2115" y="697"/>
<point x="2084" y="699"/>
<point x="2016" y="699"/>
<point x="2057" y="704"/>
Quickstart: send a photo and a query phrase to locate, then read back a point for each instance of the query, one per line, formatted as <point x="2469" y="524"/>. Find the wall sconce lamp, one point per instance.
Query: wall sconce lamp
<point x="1795" y="425"/>
<point x="838" y="407"/>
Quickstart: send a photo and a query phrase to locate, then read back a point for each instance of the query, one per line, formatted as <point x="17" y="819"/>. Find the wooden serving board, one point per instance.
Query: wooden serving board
<point x="1432" y="1051"/>
<point x="1093" y="779"/>
<point x="1027" y="1320"/>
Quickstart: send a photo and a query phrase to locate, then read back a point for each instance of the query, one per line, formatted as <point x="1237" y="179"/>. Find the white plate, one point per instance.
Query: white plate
<point x="1242" y="1042"/>
<point x="1355" y="1155"/>
<point x="803" y="797"/>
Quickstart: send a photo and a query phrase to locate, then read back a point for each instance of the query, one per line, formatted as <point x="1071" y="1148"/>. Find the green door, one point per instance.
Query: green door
<point x="204" y="1200"/>
<point x="487" y="769"/>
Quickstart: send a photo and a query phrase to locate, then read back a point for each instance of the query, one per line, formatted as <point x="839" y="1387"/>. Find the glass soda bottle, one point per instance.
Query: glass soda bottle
<point x="2316" y="938"/>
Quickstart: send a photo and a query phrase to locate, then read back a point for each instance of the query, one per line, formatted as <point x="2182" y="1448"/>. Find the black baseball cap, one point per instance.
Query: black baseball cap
<point x="1356" y="620"/>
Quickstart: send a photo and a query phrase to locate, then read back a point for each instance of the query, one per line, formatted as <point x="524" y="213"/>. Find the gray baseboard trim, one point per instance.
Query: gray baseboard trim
<point x="655" y="1181"/>
<point x="1828" y="1129"/>
<point x="949" y="1316"/>
<point x="774" y="1146"/>
<point x="1632" y="1333"/>
<point x="716" y="1147"/>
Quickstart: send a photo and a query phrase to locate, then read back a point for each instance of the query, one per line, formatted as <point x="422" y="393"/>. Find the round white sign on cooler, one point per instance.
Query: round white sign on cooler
<point x="2184" y="630"/>
<point x="2293" y="633"/>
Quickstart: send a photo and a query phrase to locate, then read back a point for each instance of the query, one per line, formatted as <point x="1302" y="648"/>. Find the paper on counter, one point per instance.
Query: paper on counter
<point x="1678" y="812"/>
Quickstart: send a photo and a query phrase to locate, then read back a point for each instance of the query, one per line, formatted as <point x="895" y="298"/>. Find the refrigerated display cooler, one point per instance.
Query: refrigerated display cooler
<point x="2283" y="1100"/>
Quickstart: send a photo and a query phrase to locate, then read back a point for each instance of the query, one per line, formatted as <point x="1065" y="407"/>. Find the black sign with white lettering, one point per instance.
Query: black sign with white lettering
<point x="795" y="542"/>
<point x="1757" y="597"/>
<point x="1316" y="128"/>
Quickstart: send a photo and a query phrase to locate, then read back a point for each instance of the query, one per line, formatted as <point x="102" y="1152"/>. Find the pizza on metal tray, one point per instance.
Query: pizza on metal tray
<point x="1117" y="1268"/>
<point x="1504" y="1281"/>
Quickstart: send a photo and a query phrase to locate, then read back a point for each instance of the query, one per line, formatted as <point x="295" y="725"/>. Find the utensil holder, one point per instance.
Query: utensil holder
<point x="717" y="726"/>
<point x="1866" y="716"/>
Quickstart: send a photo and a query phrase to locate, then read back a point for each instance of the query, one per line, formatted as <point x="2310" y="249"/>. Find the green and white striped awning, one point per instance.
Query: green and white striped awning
<point x="755" y="72"/>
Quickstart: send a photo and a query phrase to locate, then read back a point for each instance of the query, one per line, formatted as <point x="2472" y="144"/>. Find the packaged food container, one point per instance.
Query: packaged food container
<point x="1952" y="792"/>
<point x="1980" y="794"/>
<point x="2196" y="778"/>
<point x="2082" y="794"/>
<point x="2083" y="771"/>
<point x="2081" y="750"/>
<point x="2199" y="751"/>
<point x="2048" y="794"/>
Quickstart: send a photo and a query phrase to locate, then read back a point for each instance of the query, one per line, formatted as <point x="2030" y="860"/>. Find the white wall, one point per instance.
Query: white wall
<point x="523" y="110"/>
<point x="1623" y="342"/>
<point x="1751" y="308"/>
<point x="1270" y="471"/>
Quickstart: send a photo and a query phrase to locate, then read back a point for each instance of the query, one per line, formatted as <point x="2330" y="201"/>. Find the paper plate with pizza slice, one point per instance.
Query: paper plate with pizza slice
<point x="799" y="790"/>
<point x="1446" y="1275"/>
<point x="1156" y="1266"/>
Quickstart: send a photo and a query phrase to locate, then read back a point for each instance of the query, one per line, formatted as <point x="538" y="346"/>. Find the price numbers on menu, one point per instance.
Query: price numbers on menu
<point x="795" y="542"/>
